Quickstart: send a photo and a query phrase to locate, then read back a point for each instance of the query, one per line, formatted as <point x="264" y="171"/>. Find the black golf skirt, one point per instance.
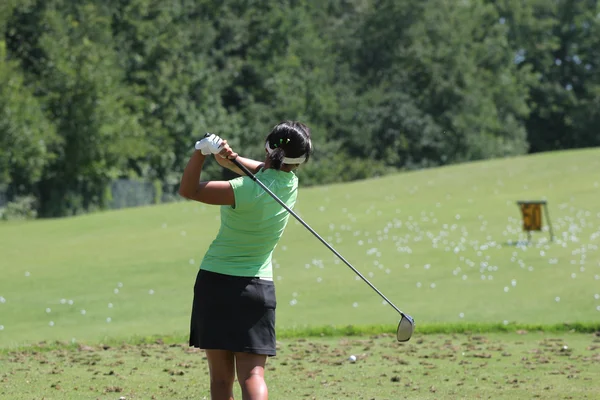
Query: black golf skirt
<point x="233" y="313"/>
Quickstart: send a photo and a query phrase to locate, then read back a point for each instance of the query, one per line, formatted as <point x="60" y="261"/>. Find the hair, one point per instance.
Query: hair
<point x="289" y="139"/>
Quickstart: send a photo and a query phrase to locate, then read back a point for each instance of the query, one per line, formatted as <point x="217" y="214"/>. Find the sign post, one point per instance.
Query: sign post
<point x="532" y="216"/>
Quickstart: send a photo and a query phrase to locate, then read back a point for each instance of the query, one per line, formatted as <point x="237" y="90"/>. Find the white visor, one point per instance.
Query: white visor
<point x="287" y="160"/>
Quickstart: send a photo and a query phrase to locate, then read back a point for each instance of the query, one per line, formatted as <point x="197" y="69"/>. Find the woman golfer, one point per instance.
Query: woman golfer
<point x="233" y="312"/>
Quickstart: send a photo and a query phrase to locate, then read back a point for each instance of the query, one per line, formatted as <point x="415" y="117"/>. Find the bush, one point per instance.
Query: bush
<point x="20" y="208"/>
<point x="341" y="168"/>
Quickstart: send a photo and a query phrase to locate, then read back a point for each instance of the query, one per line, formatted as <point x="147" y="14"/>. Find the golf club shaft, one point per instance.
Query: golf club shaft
<point x="274" y="196"/>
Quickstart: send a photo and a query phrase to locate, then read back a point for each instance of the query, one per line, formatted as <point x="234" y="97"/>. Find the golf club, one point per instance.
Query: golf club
<point x="406" y="326"/>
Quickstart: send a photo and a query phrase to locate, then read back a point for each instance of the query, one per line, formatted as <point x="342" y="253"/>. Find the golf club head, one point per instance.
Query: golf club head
<point x="406" y="327"/>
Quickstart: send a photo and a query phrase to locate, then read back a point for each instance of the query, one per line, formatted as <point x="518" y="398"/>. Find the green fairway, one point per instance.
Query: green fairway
<point x="499" y="366"/>
<point x="444" y="244"/>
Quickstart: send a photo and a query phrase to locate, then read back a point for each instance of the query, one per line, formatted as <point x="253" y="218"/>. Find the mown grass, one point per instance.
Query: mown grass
<point x="444" y="244"/>
<point x="329" y="332"/>
<point x="497" y="365"/>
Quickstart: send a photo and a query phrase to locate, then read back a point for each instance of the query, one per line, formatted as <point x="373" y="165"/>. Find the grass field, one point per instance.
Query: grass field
<point x="522" y="365"/>
<point x="444" y="244"/>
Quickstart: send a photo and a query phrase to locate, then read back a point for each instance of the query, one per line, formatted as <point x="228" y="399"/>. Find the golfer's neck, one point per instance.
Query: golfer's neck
<point x="284" y="167"/>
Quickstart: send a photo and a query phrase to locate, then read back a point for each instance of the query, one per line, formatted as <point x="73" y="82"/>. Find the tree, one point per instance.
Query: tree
<point x="77" y="78"/>
<point x="26" y="135"/>
<point x="170" y="68"/>
<point x="442" y="84"/>
<point x="559" y="41"/>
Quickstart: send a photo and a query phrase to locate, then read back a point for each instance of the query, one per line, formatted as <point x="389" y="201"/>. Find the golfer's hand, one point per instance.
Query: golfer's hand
<point x="226" y="151"/>
<point x="211" y="144"/>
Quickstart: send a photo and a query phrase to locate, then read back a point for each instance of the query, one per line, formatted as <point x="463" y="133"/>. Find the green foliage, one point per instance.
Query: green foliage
<point x="100" y="90"/>
<point x="340" y="167"/>
<point x="158" y="190"/>
<point x="23" y="207"/>
<point x="26" y="135"/>
<point x="87" y="100"/>
<point x="445" y="87"/>
<point x="559" y="41"/>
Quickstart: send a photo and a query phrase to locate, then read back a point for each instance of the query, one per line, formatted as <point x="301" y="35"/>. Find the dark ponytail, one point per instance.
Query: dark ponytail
<point x="291" y="140"/>
<point x="276" y="158"/>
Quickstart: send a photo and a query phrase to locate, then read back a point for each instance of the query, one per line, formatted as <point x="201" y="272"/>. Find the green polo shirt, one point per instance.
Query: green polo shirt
<point x="251" y="230"/>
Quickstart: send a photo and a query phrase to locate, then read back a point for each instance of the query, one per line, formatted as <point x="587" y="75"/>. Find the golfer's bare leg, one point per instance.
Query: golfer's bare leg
<point x="251" y="375"/>
<point x="221" y="364"/>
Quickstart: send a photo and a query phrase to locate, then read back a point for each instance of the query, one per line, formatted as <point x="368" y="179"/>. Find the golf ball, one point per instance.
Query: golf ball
<point x="352" y="358"/>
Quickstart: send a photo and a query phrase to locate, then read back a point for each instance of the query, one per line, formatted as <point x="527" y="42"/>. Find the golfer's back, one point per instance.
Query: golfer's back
<point x="250" y="231"/>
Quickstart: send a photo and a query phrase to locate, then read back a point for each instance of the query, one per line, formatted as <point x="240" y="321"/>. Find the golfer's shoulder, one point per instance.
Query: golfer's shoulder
<point x="240" y="181"/>
<point x="244" y="188"/>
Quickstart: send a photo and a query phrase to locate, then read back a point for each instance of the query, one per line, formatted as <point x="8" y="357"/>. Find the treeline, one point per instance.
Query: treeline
<point x="96" y="90"/>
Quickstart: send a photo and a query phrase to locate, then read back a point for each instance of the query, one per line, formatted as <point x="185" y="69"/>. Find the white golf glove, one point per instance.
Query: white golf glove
<point x="211" y="144"/>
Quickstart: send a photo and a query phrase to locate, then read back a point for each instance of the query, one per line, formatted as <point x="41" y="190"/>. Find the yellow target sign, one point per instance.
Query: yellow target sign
<point x="532" y="216"/>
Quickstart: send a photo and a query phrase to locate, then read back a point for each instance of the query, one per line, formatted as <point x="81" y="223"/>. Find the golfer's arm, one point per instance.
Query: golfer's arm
<point x="211" y="192"/>
<point x="253" y="165"/>
<point x="189" y="185"/>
